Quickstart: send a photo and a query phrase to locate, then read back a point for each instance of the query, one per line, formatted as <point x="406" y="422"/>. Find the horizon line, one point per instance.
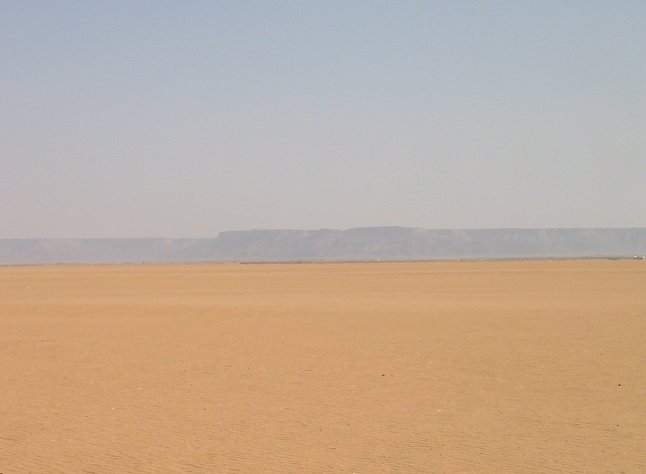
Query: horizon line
<point x="291" y="229"/>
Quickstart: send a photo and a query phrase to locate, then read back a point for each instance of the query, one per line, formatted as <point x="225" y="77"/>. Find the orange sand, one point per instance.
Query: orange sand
<point x="523" y="366"/>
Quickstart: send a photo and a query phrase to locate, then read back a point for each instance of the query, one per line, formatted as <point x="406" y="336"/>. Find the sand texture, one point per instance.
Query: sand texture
<point x="517" y="366"/>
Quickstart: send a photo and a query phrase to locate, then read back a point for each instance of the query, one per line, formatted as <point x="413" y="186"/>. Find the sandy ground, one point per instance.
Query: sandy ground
<point x="387" y="367"/>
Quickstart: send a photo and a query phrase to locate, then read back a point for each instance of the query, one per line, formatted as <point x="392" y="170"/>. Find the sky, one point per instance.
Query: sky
<point x="187" y="118"/>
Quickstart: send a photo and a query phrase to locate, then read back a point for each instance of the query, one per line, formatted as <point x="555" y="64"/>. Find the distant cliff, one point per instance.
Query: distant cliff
<point x="369" y="243"/>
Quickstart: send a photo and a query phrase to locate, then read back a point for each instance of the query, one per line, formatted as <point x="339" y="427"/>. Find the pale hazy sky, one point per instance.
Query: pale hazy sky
<point x="185" y="118"/>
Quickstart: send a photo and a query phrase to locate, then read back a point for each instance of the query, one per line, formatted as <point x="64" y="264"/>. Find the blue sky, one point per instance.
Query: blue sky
<point x="131" y="119"/>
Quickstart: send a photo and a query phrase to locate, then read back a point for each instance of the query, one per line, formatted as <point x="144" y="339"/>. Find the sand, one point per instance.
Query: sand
<point x="519" y="366"/>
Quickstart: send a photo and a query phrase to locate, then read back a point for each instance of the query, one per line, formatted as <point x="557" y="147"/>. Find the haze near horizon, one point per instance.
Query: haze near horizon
<point x="184" y="119"/>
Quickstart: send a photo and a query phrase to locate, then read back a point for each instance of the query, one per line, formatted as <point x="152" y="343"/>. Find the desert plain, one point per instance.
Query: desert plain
<point x="507" y="366"/>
